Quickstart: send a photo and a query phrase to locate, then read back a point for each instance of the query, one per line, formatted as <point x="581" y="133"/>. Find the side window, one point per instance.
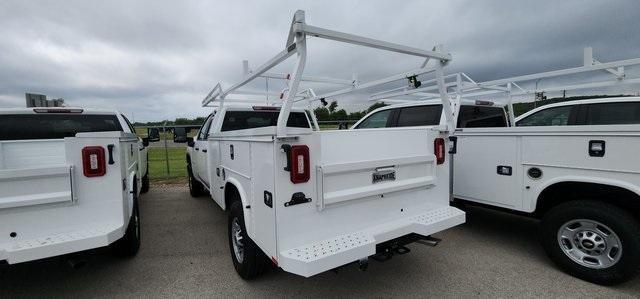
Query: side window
<point x="613" y="113"/>
<point x="204" y="130"/>
<point x="376" y="120"/>
<point x="420" y="116"/>
<point x="481" y="117"/>
<point x="133" y="130"/>
<point x="557" y="116"/>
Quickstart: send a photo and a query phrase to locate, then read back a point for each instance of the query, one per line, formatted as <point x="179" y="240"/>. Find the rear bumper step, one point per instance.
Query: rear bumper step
<point x="315" y="258"/>
<point x="59" y="244"/>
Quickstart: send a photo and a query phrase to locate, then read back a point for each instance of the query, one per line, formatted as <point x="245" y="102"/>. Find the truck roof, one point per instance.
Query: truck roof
<point x="36" y="110"/>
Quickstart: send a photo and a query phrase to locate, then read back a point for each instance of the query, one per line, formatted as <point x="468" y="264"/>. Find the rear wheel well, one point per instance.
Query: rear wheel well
<point x="567" y="191"/>
<point x="231" y="194"/>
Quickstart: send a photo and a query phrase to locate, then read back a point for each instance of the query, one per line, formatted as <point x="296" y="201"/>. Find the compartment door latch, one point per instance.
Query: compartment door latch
<point x="297" y="198"/>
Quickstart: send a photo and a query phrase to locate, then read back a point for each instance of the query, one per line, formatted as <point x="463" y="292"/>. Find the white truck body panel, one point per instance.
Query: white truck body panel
<point x="48" y="207"/>
<point x="561" y="152"/>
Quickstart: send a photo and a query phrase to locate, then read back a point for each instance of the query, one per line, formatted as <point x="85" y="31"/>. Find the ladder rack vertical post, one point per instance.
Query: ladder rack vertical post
<point x="444" y="96"/>
<point x="294" y="83"/>
<point x="512" y="117"/>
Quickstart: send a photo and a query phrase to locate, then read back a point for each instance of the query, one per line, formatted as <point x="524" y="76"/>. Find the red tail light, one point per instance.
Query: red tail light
<point x="438" y="150"/>
<point x="300" y="169"/>
<point x="93" y="162"/>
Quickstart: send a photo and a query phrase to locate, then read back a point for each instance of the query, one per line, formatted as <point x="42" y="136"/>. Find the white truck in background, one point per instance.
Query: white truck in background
<point x="309" y="201"/>
<point x="70" y="179"/>
<point x="574" y="165"/>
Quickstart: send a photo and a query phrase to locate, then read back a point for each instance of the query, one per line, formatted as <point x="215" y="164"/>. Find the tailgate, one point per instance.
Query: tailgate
<point x="34" y="172"/>
<point x="366" y="187"/>
<point x="33" y="186"/>
<point x="378" y="162"/>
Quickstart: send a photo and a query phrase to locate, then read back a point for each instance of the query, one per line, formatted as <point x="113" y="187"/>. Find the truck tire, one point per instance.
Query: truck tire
<point x="195" y="188"/>
<point x="145" y="183"/>
<point x="592" y="240"/>
<point x="129" y="244"/>
<point x="248" y="260"/>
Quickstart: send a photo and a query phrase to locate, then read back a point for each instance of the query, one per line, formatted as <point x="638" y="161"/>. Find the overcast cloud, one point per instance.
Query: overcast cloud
<point x="157" y="59"/>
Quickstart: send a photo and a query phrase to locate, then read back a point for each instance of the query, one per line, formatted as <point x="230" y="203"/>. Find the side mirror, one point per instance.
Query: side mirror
<point x="179" y="135"/>
<point x="145" y="141"/>
<point x="190" y="142"/>
<point x="154" y="134"/>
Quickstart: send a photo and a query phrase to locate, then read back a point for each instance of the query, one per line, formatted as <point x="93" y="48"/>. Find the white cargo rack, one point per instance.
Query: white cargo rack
<point x="296" y="44"/>
<point x="461" y="85"/>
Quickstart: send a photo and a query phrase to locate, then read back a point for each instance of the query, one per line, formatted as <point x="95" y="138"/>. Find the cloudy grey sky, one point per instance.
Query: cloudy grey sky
<point x="157" y="59"/>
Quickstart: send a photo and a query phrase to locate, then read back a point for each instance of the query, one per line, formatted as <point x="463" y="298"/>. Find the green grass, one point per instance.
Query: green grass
<point x="158" y="164"/>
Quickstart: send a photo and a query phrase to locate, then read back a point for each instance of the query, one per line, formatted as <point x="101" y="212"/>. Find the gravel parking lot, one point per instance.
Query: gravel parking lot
<point x="185" y="254"/>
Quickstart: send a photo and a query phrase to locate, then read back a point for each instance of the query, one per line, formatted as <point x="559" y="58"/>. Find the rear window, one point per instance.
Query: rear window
<point x="481" y="117"/>
<point x="54" y="126"/>
<point x="613" y="113"/>
<point x="242" y="120"/>
<point x="419" y="116"/>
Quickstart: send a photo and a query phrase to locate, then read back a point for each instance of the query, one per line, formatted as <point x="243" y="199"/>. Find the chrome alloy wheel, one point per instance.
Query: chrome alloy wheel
<point x="236" y="238"/>
<point x="590" y="243"/>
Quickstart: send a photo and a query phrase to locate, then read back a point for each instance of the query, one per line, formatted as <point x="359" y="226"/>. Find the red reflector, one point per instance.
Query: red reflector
<point x="438" y="150"/>
<point x="300" y="169"/>
<point x="274" y="261"/>
<point x="93" y="162"/>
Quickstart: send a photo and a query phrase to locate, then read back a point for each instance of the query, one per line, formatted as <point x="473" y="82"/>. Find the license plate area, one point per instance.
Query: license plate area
<point x="383" y="174"/>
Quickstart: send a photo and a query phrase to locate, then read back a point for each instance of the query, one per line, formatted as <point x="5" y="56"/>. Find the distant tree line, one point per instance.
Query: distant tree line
<point x="178" y="121"/>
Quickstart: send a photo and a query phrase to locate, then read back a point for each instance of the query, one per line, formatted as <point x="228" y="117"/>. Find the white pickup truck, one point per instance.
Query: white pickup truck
<point x="315" y="200"/>
<point x="574" y="165"/>
<point x="69" y="181"/>
<point x="310" y="201"/>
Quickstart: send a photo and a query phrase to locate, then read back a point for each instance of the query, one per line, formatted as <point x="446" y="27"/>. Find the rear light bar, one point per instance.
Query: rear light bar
<point x="41" y="110"/>
<point x="93" y="161"/>
<point x="439" y="150"/>
<point x="265" y="108"/>
<point x="297" y="163"/>
<point x="484" y="103"/>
